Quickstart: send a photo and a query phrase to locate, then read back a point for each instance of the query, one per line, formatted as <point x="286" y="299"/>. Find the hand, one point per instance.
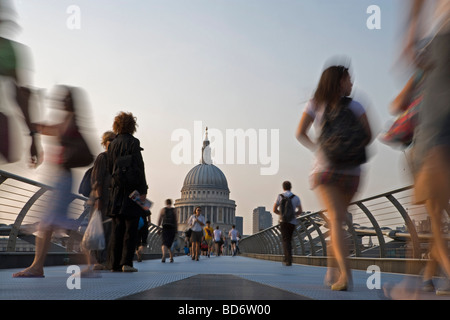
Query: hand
<point x="143" y="197"/>
<point x="36" y="157"/>
<point x="98" y="205"/>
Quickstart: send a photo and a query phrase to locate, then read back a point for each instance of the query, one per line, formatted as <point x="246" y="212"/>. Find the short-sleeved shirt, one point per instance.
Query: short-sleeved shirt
<point x="233" y="234"/>
<point x="295" y="203"/>
<point x="195" y="226"/>
<point x="321" y="164"/>
<point x="217" y="235"/>
<point x="209" y="232"/>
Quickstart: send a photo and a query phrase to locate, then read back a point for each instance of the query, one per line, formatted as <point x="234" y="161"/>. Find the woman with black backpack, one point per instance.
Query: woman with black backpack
<point x="335" y="180"/>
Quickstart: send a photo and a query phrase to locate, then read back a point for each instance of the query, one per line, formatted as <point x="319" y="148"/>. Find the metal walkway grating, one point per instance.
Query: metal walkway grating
<point x="301" y="280"/>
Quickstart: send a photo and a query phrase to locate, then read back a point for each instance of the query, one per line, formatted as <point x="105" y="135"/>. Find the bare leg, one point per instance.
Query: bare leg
<point x="439" y="243"/>
<point x="163" y="248"/>
<point x="37" y="267"/>
<point x="336" y="203"/>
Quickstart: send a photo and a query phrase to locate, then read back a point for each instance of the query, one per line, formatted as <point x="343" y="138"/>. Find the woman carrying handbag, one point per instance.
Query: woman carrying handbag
<point x="74" y="152"/>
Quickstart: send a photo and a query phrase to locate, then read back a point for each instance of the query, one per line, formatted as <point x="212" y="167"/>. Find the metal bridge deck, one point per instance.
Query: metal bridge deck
<point x="215" y="278"/>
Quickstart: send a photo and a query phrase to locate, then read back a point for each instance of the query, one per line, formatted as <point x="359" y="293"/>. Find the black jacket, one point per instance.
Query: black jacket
<point x="120" y="203"/>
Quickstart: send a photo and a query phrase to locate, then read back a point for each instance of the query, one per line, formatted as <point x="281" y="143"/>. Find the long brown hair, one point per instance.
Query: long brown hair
<point x="328" y="90"/>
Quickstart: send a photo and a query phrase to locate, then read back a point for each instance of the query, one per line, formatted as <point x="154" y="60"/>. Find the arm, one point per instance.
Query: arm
<point x="200" y="221"/>
<point x="97" y="178"/>
<point x="137" y="151"/>
<point x="402" y="101"/>
<point x="16" y="64"/>
<point x="176" y="220"/>
<point x="411" y="32"/>
<point x="275" y="208"/>
<point x="23" y="96"/>
<point x="189" y="222"/>
<point x="57" y="130"/>
<point x="366" y="125"/>
<point x="161" y="216"/>
<point x="299" y="210"/>
<point x="302" y="132"/>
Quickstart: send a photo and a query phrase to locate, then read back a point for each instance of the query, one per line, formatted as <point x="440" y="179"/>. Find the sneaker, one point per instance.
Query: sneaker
<point x="126" y="268"/>
<point x="443" y="291"/>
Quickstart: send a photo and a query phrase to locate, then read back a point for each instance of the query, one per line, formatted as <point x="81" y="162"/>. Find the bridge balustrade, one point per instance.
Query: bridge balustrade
<point x="388" y="225"/>
<point x="23" y="203"/>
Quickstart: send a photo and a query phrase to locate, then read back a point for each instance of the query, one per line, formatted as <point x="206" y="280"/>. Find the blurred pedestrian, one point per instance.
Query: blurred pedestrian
<point x="209" y="234"/>
<point x="175" y="245"/>
<point x="288" y="207"/>
<point x="234" y="237"/>
<point x="218" y="240"/>
<point x="141" y="244"/>
<point x="126" y="166"/>
<point x="98" y="200"/>
<point x="169" y="223"/>
<point x="427" y="46"/>
<point x="196" y="222"/>
<point x="187" y="240"/>
<point x="100" y="181"/>
<point x="74" y="152"/>
<point x="335" y="186"/>
<point x="204" y="247"/>
<point x="15" y="94"/>
<point x="224" y="244"/>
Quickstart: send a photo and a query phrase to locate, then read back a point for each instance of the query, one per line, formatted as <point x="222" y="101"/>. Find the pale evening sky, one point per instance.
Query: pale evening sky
<point x="231" y="64"/>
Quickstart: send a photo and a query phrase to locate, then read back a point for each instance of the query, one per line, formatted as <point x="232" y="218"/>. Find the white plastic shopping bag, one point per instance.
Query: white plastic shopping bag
<point x="94" y="237"/>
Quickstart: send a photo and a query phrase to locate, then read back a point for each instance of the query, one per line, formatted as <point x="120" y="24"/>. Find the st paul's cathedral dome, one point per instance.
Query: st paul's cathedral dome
<point x="206" y="186"/>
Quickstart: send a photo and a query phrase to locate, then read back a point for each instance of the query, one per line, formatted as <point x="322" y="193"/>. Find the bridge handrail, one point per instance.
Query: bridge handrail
<point x="315" y="223"/>
<point x="14" y="230"/>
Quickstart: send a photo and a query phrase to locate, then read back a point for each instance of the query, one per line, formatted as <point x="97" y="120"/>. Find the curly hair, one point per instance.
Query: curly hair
<point x="124" y="122"/>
